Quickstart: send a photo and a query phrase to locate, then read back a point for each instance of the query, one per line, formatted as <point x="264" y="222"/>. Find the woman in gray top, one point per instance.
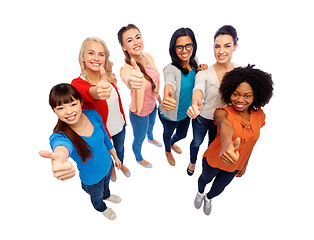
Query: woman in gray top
<point x="206" y="97"/>
<point x="179" y="79"/>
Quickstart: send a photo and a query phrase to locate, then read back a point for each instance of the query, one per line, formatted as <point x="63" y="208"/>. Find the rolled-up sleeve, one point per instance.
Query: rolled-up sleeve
<point x="170" y="76"/>
<point x="57" y="139"/>
<point x="200" y="81"/>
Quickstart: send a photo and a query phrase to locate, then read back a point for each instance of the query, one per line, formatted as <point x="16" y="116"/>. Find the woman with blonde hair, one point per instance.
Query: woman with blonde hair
<point x="97" y="85"/>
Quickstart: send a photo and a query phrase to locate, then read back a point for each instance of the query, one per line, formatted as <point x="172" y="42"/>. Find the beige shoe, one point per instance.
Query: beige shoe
<point x="170" y="158"/>
<point x="145" y="163"/>
<point x="109" y="213"/>
<point x="114" y="198"/>
<point x="176" y="149"/>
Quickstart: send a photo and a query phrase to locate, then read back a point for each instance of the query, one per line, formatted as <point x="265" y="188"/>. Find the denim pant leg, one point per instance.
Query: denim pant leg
<point x="169" y="127"/>
<point x="208" y="174"/>
<point x="99" y="191"/>
<point x="221" y="181"/>
<point x="200" y="127"/>
<point x="212" y="131"/>
<point x="181" y="130"/>
<point x="151" y="123"/>
<point x="118" y="144"/>
<point x="106" y="191"/>
<point x="140" y="126"/>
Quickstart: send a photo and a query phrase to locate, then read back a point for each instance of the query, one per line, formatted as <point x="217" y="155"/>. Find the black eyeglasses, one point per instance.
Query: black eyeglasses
<point x="188" y="47"/>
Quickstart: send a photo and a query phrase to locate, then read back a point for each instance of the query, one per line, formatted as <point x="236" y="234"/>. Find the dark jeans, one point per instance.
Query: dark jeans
<point x="181" y="128"/>
<point x="222" y="179"/>
<point x="200" y="127"/>
<point x="99" y="191"/>
<point x="118" y="144"/>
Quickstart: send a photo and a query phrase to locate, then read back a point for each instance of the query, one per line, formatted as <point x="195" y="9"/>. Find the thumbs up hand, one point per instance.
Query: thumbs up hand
<point x="61" y="168"/>
<point x="169" y="103"/>
<point x="228" y="153"/>
<point x="136" y="77"/>
<point x="103" y="86"/>
<point x="195" y="109"/>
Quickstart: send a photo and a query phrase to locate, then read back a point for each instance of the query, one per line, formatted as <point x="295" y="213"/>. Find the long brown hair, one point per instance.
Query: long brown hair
<point x="127" y="55"/>
<point x="64" y="93"/>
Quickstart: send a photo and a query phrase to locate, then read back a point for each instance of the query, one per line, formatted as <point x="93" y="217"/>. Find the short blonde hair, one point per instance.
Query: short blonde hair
<point x="108" y="64"/>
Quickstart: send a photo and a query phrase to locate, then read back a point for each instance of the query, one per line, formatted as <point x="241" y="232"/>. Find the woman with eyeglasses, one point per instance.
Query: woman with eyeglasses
<point x="179" y="77"/>
<point x="206" y="89"/>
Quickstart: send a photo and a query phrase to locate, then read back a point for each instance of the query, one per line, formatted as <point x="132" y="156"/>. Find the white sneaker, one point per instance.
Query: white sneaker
<point x="207" y="205"/>
<point x="109" y="213"/>
<point x="198" y="200"/>
<point x="114" y="198"/>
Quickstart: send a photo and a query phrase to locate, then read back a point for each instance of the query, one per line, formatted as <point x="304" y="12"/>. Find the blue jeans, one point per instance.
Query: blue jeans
<point x="181" y="128"/>
<point x="222" y="179"/>
<point x="99" y="191"/>
<point x="200" y="127"/>
<point x="118" y="144"/>
<point x="142" y="126"/>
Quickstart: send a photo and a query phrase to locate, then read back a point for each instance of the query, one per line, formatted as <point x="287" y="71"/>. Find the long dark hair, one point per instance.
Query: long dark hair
<point x="64" y="93"/>
<point x="172" y="49"/>
<point x="127" y="55"/>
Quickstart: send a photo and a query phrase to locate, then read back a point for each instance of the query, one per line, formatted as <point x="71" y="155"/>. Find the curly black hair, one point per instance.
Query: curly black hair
<point x="260" y="81"/>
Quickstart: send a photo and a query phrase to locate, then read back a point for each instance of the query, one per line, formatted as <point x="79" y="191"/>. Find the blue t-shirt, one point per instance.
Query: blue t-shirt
<point x="186" y="92"/>
<point x="96" y="168"/>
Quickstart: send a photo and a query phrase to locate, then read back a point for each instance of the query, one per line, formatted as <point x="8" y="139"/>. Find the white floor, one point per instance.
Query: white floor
<point x="39" y="48"/>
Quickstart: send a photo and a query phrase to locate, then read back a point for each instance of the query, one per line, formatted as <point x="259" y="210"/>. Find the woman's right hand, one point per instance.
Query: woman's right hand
<point x="62" y="169"/>
<point x="169" y="103"/>
<point x="228" y="153"/>
<point x="103" y="86"/>
<point x="136" y="77"/>
<point x="195" y="109"/>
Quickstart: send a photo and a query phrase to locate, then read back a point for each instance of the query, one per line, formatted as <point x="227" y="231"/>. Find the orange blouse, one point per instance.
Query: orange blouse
<point x="248" y="133"/>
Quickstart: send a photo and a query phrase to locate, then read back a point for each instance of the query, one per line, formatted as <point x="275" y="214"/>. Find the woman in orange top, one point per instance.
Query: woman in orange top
<point x="246" y="90"/>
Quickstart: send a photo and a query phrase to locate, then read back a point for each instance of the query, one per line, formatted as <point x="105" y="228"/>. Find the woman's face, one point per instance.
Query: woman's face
<point x="184" y="48"/>
<point x="242" y="97"/>
<point x="94" y="56"/>
<point x="224" y="48"/>
<point x="132" y="42"/>
<point x="69" y="113"/>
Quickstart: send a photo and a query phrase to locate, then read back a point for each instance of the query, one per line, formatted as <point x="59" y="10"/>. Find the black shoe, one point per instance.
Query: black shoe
<point x="189" y="172"/>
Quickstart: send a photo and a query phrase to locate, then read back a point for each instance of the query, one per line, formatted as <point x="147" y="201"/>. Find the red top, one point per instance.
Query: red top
<point x="248" y="133"/>
<point x="91" y="103"/>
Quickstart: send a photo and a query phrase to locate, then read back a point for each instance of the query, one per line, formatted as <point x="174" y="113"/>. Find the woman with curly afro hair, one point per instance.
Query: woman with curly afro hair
<point x="245" y="90"/>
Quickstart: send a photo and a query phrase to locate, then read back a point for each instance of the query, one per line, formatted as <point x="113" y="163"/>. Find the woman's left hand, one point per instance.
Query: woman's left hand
<point x="242" y="171"/>
<point x="118" y="163"/>
<point x="202" y="67"/>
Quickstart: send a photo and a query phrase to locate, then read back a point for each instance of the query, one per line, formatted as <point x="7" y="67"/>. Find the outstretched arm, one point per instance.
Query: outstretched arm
<point x="61" y="167"/>
<point x="228" y="153"/>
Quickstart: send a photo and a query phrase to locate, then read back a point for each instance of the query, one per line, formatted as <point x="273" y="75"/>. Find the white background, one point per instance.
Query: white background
<point x="40" y="42"/>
